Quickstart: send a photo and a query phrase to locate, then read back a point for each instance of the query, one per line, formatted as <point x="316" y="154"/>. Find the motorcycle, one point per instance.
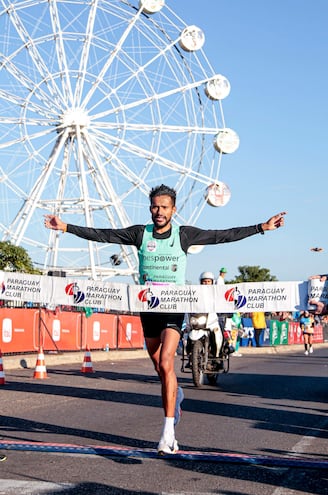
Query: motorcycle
<point x="206" y="349"/>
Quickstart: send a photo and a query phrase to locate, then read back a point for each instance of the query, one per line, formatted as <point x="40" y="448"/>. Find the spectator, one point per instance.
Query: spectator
<point x="220" y="279"/>
<point x="259" y="325"/>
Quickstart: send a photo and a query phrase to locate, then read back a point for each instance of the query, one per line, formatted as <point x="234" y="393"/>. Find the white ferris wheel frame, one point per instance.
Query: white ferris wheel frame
<point x="86" y="137"/>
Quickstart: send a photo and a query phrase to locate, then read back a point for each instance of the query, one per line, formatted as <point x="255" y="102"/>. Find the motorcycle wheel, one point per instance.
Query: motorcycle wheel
<point x="213" y="378"/>
<point x="198" y="359"/>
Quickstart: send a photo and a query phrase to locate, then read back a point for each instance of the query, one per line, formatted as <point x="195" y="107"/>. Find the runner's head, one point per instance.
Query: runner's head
<point x="163" y="190"/>
<point x="162" y="207"/>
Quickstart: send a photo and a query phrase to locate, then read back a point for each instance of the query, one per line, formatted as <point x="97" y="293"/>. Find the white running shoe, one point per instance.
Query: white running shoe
<point x="177" y="411"/>
<point x="306" y="353"/>
<point x="311" y="350"/>
<point x="165" y="448"/>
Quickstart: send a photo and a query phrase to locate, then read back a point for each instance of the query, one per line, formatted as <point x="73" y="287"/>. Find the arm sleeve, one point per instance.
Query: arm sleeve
<point x="129" y="236"/>
<point x="194" y="236"/>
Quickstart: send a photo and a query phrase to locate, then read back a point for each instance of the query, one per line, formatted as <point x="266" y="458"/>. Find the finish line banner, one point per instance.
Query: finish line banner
<point x="245" y="297"/>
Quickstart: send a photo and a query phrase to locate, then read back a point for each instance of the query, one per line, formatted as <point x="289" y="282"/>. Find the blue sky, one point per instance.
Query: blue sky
<point x="275" y="57"/>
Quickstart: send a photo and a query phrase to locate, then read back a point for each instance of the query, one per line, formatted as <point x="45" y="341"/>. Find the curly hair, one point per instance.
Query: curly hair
<point x="163" y="190"/>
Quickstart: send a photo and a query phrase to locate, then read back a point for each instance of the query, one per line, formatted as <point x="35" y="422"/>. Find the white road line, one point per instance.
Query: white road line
<point x="22" y="487"/>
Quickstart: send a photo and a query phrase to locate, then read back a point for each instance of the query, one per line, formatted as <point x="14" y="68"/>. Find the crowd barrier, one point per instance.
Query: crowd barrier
<point x="280" y="333"/>
<point x="25" y="330"/>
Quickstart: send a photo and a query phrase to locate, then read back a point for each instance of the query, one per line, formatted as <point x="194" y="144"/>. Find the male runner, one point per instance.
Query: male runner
<point x="162" y="249"/>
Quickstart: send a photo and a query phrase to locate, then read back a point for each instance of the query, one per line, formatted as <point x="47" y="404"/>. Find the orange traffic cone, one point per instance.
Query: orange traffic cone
<point x="87" y="364"/>
<point x="2" y="373"/>
<point x="40" y="368"/>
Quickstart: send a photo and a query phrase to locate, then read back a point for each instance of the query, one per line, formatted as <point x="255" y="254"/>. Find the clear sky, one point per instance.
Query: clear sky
<point x="274" y="54"/>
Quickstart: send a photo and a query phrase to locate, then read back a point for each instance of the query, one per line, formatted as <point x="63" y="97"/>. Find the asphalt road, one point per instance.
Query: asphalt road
<point x="268" y="405"/>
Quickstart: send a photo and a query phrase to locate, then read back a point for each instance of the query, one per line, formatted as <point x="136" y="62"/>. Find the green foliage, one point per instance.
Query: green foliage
<point x="252" y="274"/>
<point x="15" y="259"/>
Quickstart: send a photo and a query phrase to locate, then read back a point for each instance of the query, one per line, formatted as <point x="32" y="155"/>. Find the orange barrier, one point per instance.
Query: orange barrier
<point x="28" y="329"/>
<point x="99" y="331"/>
<point x="60" y="330"/>
<point x="130" y="333"/>
<point x="18" y="328"/>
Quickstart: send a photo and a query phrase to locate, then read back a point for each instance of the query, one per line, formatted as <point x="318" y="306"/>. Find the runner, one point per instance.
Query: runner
<point x="162" y="249"/>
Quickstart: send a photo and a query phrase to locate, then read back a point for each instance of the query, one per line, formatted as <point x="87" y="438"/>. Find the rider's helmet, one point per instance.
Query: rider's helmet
<point x="206" y="275"/>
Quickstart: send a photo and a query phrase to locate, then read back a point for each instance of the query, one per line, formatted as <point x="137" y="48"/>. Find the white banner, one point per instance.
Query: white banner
<point x="246" y="297"/>
<point x="54" y="291"/>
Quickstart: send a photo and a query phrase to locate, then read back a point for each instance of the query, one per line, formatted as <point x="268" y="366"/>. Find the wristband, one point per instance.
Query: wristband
<point x="259" y="229"/>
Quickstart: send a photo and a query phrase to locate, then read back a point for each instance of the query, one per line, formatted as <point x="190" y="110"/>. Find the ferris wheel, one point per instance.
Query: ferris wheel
<point x="101" y="100"/>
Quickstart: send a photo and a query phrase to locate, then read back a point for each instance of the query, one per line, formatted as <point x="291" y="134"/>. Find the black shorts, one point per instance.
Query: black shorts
<point x="154" y="323"/>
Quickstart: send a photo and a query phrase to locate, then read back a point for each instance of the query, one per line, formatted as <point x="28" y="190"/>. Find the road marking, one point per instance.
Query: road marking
<point x="20" y="487"/>
<point x="298" y="449"/>
<point x="116" y="451"/>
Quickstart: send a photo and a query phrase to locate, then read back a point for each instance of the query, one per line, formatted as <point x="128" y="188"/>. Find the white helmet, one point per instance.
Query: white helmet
<point x="206" y="275"/>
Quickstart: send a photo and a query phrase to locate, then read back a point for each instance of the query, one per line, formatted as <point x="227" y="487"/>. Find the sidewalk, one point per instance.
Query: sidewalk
<point x="51" y="359"/>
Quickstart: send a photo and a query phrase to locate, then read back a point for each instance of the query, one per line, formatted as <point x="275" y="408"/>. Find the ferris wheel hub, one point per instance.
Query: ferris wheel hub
<point x="74" y="117"/>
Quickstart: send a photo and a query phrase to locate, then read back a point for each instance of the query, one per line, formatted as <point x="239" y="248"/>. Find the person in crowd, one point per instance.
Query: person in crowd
<point x="237" y="326"/>
<point x="222" y="274"/>
<point x="162" y="249"/>
<point x="259" y="325"/>
<point x="307" y="327"/>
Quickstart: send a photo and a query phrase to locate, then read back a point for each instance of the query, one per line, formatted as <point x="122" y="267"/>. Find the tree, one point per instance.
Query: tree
<point x="15" y="259"/>
<point x="252" y="274"/>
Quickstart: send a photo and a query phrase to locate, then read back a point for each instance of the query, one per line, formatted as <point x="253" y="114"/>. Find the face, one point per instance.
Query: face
<point x="162" y="210"/>
<point x="206" y="281"/>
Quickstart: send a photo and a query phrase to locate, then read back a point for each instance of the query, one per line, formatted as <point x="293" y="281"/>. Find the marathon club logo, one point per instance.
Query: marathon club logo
<point x="146" y="296"/>
<point x="74" y="290"/>
<point x="236" y="297"/>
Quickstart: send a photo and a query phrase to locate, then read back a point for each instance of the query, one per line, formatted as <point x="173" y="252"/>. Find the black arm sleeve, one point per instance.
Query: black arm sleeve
<point x="131" y="236"/>
<point x="194" y="236"/>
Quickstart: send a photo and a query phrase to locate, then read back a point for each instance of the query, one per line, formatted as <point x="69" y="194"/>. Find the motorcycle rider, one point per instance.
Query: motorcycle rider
<point x="207" y="278"/>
